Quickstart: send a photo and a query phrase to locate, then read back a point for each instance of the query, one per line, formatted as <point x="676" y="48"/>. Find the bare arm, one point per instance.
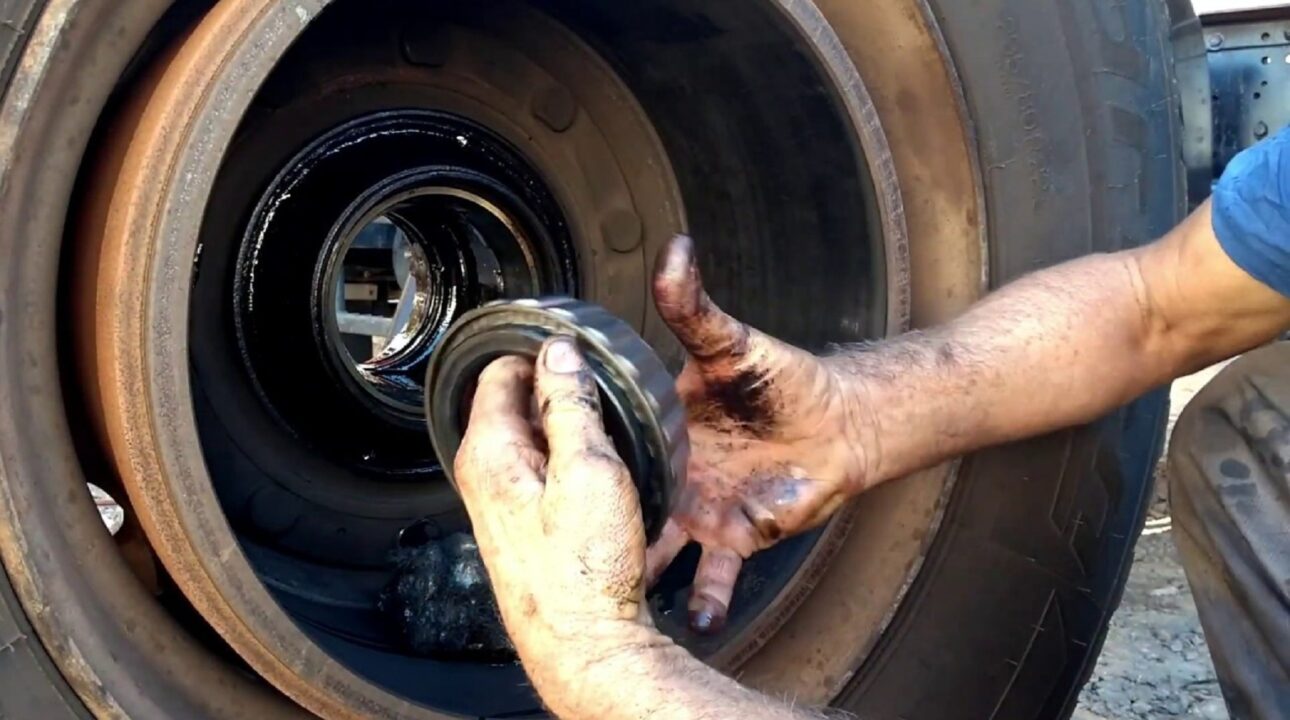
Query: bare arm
<point x="661" y="681"/>
<point x="1058" y="348"/>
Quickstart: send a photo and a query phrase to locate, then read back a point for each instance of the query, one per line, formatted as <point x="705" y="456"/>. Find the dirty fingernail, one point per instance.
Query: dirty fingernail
<point x="677" y="287"/>
<point x="707" y="616"/>
<point x="701" y="622"/>
<point x="763" y="519"/>
<point x="562" y="356"/>
<point x="678" y="256"/>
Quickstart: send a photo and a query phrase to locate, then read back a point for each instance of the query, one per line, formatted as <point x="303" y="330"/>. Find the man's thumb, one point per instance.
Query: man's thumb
<point x="705" y="330"/>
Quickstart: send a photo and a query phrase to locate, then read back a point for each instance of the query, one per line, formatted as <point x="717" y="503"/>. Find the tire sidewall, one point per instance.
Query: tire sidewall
<point x="1010" y="609"/>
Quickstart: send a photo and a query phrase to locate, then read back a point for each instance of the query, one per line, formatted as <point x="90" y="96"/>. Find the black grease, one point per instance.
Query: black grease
<point x="772" y="493"/>
<point x="441" y="604"/>
<point x="744" y="399"/>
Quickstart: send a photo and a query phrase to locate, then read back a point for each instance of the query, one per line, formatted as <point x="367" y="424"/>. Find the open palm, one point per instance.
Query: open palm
<point x="776" y="439"/>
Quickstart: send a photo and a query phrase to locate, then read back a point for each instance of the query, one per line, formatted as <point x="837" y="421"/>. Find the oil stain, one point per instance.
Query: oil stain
<point x="440" y="602"/>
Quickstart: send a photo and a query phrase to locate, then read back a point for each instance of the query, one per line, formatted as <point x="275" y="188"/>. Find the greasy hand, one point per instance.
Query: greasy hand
<point x="557" y="520"/>
<point x="775" y="434"/>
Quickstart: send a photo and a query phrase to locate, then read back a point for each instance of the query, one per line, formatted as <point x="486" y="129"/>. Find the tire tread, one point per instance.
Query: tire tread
<point x="1008" y="616"/>
<point x="16" y="20"/>
<point x="30" y="684"/>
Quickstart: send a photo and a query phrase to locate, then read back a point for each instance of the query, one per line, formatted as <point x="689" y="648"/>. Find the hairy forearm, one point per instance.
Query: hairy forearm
<point x="1055" y="349"/>
<point x="1058" y="348"/>
<point x="652" y="678"/>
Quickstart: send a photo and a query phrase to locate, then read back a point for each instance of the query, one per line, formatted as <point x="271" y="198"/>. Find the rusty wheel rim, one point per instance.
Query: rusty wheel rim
<point x="151" y="133"/>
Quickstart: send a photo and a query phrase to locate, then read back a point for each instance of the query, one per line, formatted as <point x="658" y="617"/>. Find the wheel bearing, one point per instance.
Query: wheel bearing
<point x="643" y="414"/>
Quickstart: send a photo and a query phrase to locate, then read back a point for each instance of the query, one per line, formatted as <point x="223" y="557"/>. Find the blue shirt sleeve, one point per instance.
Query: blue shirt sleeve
<point x="1251" y="206"/>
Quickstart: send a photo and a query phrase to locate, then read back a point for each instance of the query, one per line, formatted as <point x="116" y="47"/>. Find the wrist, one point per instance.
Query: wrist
<point x="610" y="670"/>
<point x="860" y="444"/>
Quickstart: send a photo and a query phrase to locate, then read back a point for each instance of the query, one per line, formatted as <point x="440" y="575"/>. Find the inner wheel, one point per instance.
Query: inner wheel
<point x="334" y="186"/>
<point x="412" y="218"/>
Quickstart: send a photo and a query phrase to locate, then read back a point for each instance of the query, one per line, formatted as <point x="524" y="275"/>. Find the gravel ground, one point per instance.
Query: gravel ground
<point x="1155" y="663"/>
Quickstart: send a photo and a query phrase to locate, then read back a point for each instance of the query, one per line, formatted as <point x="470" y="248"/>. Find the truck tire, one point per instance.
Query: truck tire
<point x="993" y="137"/>
<point x="1077" y="115"/>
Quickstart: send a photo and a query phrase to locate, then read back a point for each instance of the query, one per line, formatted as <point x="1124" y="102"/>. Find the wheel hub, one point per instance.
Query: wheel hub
<point x="454" y="207"/>
<point x="369" y="195"/>
<point x="445" y="248"/>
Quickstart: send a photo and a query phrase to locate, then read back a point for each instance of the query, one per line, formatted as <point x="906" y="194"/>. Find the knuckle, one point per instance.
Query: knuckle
<point x="476" y="448"/>
<point x="468" y="455"/>
<point x="505" y="368"/>
<point x="743" y="544"/>
<point x="533" y="458"/>
<point x="594" y="467"/>
<point x="578" y="400"/>
<point x="478" y="460"/>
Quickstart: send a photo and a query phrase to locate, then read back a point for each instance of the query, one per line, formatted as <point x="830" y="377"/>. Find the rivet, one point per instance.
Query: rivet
<point x="1214" y="41"/>
<point x="270" y="513"/>
<point x="1260" y="129"/>
<point x="428" y="47"/>
<point x="555" y="106"/>
<point x="622" y="230"/>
